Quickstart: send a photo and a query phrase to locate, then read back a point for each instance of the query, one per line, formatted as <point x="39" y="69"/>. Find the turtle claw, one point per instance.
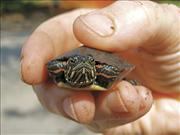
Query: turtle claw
<point x="132" y="81"/>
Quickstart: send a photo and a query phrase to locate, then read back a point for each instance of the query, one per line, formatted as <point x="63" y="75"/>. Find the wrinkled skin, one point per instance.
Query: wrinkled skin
<point x="145" y="33"/>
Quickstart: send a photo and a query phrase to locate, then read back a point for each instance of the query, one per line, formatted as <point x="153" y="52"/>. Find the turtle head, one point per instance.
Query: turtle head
<point x="80" y="71"/>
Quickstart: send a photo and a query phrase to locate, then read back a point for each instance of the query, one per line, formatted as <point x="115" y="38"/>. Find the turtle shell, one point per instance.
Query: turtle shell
<point x="102" y="57"/>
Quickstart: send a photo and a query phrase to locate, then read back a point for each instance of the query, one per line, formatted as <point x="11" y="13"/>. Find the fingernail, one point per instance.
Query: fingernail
<point x="115" y="102"/>
<point x="99" y="23"/>
<point x="69" y="108"/>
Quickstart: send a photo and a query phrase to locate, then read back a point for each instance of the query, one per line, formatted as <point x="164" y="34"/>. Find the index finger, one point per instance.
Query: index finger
<point x="49" y="40"/>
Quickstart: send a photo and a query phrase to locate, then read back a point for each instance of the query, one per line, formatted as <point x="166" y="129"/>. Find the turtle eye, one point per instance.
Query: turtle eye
<point x="72" y="61"/>
<point x="91" y="58"/>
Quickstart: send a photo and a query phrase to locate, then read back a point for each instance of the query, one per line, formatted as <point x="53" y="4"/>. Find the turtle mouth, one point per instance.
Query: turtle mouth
<point x="82" y="75"/>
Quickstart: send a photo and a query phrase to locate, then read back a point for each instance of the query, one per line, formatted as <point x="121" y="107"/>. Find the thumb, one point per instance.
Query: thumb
<point x="122" y="25"/>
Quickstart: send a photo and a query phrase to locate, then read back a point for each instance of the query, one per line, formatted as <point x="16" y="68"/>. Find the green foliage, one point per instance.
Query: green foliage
<point x="10" y="6"/>
<point x="175" y="2"/>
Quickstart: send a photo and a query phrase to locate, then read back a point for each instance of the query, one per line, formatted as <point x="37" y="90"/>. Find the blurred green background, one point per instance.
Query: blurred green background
<point x="11" y="6"/>
<point x="176" y="2"/>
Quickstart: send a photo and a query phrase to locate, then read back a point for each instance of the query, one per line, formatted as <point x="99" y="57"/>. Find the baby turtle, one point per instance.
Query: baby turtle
<point x="88" y="69"/>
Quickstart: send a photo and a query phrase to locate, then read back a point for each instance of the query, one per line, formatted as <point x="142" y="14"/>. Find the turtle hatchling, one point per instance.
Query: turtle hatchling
<point x="88" y="69"/>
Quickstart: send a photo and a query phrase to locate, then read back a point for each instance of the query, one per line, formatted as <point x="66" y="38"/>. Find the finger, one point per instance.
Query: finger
<point x="78" y="106"/>
<point x="49" y="40"/>
<point x="123" y="104"/>
<point x="163" y="115"/>
<point x="129" y="24"/>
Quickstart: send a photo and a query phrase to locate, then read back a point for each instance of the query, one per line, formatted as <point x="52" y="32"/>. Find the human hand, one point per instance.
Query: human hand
<point x="141" y="32"/>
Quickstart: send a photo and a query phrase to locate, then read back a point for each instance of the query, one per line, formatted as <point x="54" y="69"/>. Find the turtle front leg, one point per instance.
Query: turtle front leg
<point x="132" y="81"/>
<point x="55" y="66"/>
<point x="105" y="74"/>
<point x="56" y="70"/>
